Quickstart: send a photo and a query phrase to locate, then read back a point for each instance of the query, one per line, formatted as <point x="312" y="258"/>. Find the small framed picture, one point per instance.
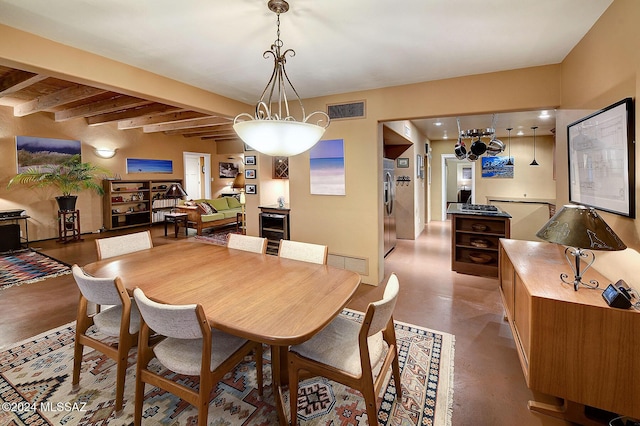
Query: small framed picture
<point x="402" y="163"/>
<point x="250" y="174"/>
<point x="248" y="148"/>
<point x="250" y="160"/>
<point x="250" y="189"/>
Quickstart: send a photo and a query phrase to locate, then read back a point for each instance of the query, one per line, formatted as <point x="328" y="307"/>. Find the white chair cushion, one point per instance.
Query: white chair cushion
<point x="108" y="321"/>
<point x="337" y="345"/>
<point x="184" y="356"/>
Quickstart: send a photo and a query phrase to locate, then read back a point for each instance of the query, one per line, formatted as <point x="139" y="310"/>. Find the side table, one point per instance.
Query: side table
<point x="69" y="226"/>
<point x="176" y="219"/>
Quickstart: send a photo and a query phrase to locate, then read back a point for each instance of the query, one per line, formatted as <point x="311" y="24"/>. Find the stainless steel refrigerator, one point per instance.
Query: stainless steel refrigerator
<point x="389" y="196"/>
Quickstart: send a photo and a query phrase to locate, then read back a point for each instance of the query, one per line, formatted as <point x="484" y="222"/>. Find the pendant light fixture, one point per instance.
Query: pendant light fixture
<point x="534" y="162"/>
<point x="509" y="161"/>
<point x="272" y="130"/>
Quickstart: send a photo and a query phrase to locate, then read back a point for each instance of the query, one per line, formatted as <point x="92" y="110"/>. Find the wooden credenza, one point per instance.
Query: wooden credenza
<point x="571" y="344"/>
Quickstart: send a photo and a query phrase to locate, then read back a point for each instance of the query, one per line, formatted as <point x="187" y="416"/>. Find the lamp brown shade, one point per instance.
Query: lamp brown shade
<point x="580" y="227"/>
<point x="175" y="191"/>
<point x="238" y="181"/>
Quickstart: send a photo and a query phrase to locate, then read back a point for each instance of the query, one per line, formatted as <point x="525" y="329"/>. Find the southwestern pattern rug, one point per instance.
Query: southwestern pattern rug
<point x="28" y="266"/>
<point x="35" y="388"/>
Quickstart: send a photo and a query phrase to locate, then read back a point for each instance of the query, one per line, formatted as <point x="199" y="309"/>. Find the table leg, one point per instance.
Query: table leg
<point x="176" y="227"/>
<point x="279" y="371"/>
<point x="165" y="227"/>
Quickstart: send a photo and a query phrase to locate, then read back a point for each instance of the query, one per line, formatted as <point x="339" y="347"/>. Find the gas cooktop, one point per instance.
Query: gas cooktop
<point x="479" y="207"/>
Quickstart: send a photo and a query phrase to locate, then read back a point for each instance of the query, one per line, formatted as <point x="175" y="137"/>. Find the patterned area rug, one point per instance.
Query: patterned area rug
<point x="35" y="388"/>
<point x="217" y="236"/>
<point x="27" y="267"/>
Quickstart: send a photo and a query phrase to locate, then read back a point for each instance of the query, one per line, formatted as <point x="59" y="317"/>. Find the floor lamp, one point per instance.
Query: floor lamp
<point x="238" y="184"/>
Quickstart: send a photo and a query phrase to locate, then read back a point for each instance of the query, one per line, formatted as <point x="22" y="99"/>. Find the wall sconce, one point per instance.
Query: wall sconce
<point x="105" y="152"/>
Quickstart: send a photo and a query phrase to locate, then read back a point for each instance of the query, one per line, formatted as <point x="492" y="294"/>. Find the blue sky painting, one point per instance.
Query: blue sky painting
<point x="142" y="165"/>
<point x="327" y="168"/>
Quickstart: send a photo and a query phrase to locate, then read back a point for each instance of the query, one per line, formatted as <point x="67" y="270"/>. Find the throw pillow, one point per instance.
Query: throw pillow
<point x="233" y="202"/>
<point x="205" y="208"/>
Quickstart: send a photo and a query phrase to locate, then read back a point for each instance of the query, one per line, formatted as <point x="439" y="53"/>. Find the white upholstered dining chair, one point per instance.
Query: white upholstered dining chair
<point x="349" y="353"/>
<point x="306" y="252"/>
<point x="121" y="320"/>
<point x="123" y="244"/>
<point x="247" y="243"/>
<point x="190" y="347"/>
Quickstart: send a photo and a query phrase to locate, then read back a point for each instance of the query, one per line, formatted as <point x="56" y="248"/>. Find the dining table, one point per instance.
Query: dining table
<point x="264" y="298"/>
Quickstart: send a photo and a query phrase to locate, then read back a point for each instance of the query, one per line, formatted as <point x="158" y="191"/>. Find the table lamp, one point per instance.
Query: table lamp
<point x="175" y="191"/>
<point x="582" y="230"/>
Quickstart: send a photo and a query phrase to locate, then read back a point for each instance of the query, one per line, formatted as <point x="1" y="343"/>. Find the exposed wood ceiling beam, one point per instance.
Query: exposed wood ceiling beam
<point x="18" y="80"/>
<point x="201" y="130"/>
<point x="117" y="103"/>
<point x="61" y="97"/>
<point x="199" y="122"/>
<point x="220" y="139"/>
<point x="211" y="134"/>
<point x="156" y="119"/>
<point x="128" y="114"/>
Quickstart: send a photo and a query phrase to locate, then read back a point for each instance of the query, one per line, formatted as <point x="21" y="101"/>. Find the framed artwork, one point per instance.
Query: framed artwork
<point x="40" y="153"/>
<point x="228" y="170"/>
<point x="496" y="167"/>
<point x="145" y="165"/>
<point x="602" y="159"/>
<point x="326" y="168"/>
<point x="466" y="173"/>
<point x="250" y="160"/>
<point x="248" y="148"/>
<point x="250" y="174"/>
<point x="402" y="163"/>
<point x="250" y="189"/>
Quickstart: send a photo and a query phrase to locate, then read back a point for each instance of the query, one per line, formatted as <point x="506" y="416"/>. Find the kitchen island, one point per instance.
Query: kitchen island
<point x="475" y="232"/>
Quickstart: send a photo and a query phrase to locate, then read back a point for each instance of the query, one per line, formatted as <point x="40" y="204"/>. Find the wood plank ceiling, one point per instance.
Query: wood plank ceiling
<point x="30" y="93"/>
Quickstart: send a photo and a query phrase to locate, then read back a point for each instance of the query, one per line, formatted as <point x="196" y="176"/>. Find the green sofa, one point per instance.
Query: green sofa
<point x="225" y="212"/>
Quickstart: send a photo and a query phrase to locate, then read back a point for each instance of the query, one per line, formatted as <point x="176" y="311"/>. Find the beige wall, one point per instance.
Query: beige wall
<point x="40" y="204"/>
<point x="601" y="70"/>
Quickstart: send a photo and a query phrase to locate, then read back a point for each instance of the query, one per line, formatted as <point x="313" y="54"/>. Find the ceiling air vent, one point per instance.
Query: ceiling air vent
<point x="346" y="111"/>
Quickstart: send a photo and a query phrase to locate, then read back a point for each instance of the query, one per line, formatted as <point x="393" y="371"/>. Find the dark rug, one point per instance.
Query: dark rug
<point x="217" y="236"/>
<point x="35" y="388"/>
<point x="27" y="267"/>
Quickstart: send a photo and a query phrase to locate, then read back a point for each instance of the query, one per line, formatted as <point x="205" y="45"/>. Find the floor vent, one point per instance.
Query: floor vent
<point x="346" y="111"/>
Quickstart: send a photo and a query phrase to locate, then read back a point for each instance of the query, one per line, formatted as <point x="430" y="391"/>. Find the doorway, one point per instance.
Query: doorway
<point x="197" y="175"/>
<point x="458" y="181"/>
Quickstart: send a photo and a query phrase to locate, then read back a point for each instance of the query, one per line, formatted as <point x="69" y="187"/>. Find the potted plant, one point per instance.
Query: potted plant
<point x="69" y="177"/>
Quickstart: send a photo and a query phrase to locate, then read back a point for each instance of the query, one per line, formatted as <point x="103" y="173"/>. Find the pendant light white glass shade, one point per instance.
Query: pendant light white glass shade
<point x="279" y="137"/>
<point x="272" y="130"/>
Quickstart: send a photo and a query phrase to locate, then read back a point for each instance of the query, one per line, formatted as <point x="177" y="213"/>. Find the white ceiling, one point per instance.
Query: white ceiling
<point x="341" y="45"/>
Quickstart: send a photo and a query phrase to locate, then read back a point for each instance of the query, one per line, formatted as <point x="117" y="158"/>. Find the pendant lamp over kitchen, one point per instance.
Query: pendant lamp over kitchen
<point x="509" y="161"/>
<point x="534" y="162"/>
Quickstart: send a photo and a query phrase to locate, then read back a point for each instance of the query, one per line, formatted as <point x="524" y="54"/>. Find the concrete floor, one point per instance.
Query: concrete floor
<point x="489" y="386"/>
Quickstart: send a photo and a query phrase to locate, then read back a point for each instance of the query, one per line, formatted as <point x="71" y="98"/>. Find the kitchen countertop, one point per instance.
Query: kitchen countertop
<point x="458" y="208"/>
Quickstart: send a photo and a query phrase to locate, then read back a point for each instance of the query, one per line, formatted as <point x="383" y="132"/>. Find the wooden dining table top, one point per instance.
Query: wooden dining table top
<point x="259" y="297"/>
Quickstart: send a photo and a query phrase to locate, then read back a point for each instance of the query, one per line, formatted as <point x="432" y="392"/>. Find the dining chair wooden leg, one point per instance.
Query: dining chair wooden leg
<point x="293" y="393"/>
<point x="83" y="322"/>
<point x="206" y="385"/>
<point x="370" y="400"/>
<point x="121" y="373"/>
